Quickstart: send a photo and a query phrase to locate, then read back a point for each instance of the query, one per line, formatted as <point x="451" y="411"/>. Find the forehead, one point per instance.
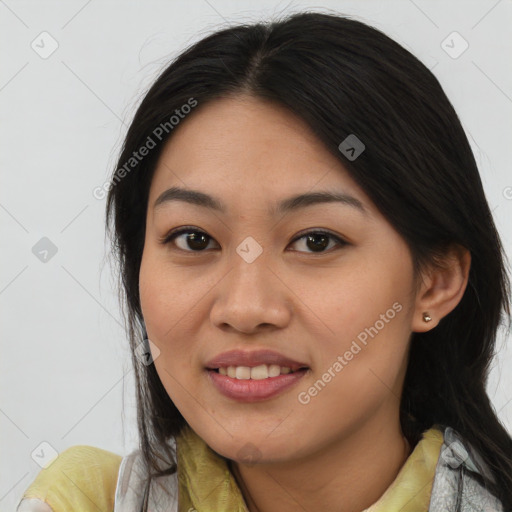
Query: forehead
<point x="246" y="148"/>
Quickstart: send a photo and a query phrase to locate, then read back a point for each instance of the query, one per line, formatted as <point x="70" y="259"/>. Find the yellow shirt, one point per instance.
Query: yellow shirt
<point x="85" y="478"/>
<point x="81" y="478"/>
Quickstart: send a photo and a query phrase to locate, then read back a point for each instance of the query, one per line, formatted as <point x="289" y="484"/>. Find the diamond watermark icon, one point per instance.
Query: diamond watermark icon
<point x="44" y="454"/>
<point x="249" y="454"/>
<point x="352" y="147"/>
<point x="147" y="352"/>
<point x="249" y="249"/>
<point x="454" y="45"/>
<point x="455" y="454"/>
<point x="44" y="250"/>
<point x="44" y="45"/>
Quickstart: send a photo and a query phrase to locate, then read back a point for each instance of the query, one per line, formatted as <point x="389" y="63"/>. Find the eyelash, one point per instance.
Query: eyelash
<point x="169" y="237"/>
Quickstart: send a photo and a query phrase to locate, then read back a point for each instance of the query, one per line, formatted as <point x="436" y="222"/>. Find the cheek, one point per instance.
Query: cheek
<point x="166" y="294"/>
<point x="166" y="302"/>
<point x="365" y="312"/>
<point x="174" y="303"/>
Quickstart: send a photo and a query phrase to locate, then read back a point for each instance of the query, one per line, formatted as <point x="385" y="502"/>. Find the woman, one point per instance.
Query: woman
<point x="313" y="283"/>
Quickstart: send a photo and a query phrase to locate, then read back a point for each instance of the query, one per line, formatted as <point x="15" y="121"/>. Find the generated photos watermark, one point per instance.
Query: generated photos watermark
<point x="150" y="143"/>
<point x="304" y="397"/>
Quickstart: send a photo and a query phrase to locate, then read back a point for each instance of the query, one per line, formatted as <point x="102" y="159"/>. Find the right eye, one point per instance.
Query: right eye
<point x="194" y="241"/>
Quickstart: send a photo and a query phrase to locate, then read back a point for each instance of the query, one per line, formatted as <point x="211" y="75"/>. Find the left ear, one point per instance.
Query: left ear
<point x="442" y="288"/>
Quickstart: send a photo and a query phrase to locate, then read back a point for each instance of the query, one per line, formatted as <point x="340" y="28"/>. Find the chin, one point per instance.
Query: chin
<point x="249" y="452"/>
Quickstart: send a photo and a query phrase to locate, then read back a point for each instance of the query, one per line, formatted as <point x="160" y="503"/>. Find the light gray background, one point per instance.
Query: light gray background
<point x="65" y="368"/>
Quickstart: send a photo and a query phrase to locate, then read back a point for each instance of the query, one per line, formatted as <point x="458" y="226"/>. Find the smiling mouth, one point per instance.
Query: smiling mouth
<point x="260" y="372"/>
<point x="254" y="383"/>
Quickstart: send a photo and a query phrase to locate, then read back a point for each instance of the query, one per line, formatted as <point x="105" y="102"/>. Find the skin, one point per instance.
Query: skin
<point x="344" y="448"/>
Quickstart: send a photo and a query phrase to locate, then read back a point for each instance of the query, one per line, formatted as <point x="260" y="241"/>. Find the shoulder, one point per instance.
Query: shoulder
<point x="80" y="478"/>
<point x="458" y="478"/>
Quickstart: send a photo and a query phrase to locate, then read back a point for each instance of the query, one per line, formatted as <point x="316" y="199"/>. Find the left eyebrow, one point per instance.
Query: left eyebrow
<point x="292" y="203"/>
<point x="311" y="198"/>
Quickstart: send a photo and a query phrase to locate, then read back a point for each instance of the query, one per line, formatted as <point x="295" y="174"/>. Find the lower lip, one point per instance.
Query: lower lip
<point x="249" y="390"/>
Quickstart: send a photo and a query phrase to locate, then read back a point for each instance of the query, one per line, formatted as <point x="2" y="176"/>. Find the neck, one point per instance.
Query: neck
<point x="348" y="477"/>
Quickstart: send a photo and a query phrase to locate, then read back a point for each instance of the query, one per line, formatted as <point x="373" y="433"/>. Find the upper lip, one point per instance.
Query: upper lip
<point x="252" y="358"/>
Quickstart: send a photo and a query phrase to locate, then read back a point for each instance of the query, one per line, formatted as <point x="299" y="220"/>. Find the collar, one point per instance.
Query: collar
<point x="206" y="482"/>
<point x="204" y="479"/>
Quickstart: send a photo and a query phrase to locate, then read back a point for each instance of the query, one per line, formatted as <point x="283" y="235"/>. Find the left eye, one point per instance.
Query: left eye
<point x="197" y="240"/>
<point x="319" y="240"/>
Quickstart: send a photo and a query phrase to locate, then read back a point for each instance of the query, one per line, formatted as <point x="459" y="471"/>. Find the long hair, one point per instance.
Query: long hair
<point x="343" y="77"/>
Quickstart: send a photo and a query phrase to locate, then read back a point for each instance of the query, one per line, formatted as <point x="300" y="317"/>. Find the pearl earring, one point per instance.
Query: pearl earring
<point x="426" y="317"/>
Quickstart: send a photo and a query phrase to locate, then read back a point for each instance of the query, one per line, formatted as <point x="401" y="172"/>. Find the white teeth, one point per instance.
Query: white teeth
<point x="242" y="372"/>
<point x="274" y="370"/>
<point x="263" y="371"/>
<point x="259" y="372"/>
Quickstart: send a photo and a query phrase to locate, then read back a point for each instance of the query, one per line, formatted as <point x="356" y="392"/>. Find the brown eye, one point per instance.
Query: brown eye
<point x="318" y="241"/>
<point x="194" y="241"/>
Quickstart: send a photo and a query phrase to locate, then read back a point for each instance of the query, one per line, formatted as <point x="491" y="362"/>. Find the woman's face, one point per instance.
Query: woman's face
<point x="248" y="279"/>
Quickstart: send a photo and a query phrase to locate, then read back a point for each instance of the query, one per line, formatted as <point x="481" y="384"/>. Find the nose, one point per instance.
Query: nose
<point x="251" y="298"/>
